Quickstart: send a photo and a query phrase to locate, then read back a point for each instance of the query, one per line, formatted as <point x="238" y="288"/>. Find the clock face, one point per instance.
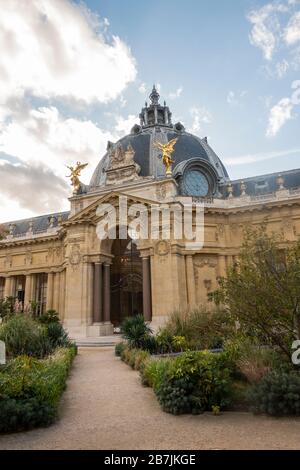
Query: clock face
<point x="196" y="183"/>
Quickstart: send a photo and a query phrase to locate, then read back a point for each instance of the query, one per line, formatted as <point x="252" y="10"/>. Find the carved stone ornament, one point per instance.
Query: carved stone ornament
<point x="161" y="192"/>
<point x="162" y="248"/>
<point x="122" y="166"/>
<point x="210" y="261"/>
<point x="8" y="261"/>
<point x="75" y="256"/>
<point x="28" y="258"/>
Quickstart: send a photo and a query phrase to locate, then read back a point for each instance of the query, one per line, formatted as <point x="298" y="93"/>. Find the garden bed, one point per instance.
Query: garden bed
<point x="39" y="356"/>
<point x="30" y="390"/>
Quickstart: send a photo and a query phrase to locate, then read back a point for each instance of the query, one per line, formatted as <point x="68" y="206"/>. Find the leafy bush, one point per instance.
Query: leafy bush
<point x="252" y="360"/>
<point x="195" y="382"/>
<point x="57" y="336"/>
<point x="201" y="328"/>
<point x="134" y="357"/>
<point x="51" y="316"/>
<point x="277" y="394"/>
<point x="6" y="306"/>
<point x="153" y="372"/>
<point x="17" y="415"/>
<point x="164" y="340"/>
<point x="23" y="335"/>
<point x="261" y="290"/>
<point x="136" y="331"/>
<point x="30" y="390"/>
<point x="119" y="348"/>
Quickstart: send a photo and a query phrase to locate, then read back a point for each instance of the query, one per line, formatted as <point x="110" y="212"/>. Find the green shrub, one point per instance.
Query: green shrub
<point x="277" y="394"/>
<point x="6" y="306"/>
<point x="195" y="382"/>
<point x="136" y="332"/>
<point x="57" y="336"/>
<point x="119" y="348"/>
<point x="164" y="340"/>
<point x="21" y="415"/>
<point x="253" y="361"/>
<point x="23" y="335"/>
<point x="140" y="357"/>
<point x="30" y="390"/>
<point x="154" y="372"/>
<point x="51" y="316"/>
<point x="201" y="328"/>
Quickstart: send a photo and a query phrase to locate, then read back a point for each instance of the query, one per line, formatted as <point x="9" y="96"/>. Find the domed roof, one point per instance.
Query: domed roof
<point x="156" y="126"/>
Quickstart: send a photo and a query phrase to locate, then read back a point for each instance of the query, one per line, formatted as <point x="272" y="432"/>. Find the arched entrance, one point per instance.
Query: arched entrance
<point x="126" y="281"/>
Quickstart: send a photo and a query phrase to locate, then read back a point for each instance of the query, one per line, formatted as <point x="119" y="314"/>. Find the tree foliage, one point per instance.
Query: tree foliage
<point x="262" y="289"/>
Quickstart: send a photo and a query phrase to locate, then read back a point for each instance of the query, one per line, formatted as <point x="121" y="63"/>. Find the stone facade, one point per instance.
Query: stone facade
<point x="59" y="262"/>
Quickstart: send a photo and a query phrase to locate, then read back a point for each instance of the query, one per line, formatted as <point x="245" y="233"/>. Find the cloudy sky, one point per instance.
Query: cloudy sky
<point x="75" y="74"/>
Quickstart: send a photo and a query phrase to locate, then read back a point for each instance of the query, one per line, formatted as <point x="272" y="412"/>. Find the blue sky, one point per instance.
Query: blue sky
<point x="204" y="48"/>
<point x="225" y="68"/>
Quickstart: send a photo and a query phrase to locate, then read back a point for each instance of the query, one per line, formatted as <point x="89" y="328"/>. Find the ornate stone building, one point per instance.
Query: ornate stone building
<point x="59" y="262"/>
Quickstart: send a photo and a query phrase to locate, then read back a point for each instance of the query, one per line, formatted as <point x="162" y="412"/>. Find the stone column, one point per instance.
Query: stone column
<point x="106" y="293"/>
<point x="222" y="266"/>
<point x="62" y="295"/>
<point x="56" y="283"/>
<point x="8" y="288"/>
<point x="28" y="290"/>
<point x="33" y="287"/>
<point x="50" y="282"/>
<point x="97" y="316"/>
<point x="190" y="277"/>
<point x="147" y="289"/>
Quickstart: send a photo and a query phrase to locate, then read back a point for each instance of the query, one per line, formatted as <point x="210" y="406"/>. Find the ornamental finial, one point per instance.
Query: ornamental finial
<point x="154" y="97"/>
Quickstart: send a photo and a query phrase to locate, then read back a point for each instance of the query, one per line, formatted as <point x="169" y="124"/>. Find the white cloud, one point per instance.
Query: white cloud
<point x="200" y="116"/>
<point x="56" y="50"/>
<point x="142" y="88"/>
<point x="279" y="115"/>
<point x="176" y="94"/>
<point x="59" y="52"/>
<point x="266" y="28"/>
<point x="257" y="157"/>
<point x="234" y="99"/>
<point x="124" y="125"/>
<point x="44" y="136"/>
<point x="282" y="68"/>
<point x="292" y="31"/>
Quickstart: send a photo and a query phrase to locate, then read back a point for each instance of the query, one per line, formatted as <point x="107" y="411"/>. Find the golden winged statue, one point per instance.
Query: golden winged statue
<point x="75" y="173"/>
<point x="167" y="150"/>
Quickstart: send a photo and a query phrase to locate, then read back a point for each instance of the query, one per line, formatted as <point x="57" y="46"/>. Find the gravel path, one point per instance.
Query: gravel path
<point x="105" y="407"/>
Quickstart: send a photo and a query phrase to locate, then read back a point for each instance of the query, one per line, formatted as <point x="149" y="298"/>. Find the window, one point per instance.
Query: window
<point x="195" y="183"/>
<point x="196" y="177"/>
<point x="20" y="288"/>
<point x="41" y="293"/>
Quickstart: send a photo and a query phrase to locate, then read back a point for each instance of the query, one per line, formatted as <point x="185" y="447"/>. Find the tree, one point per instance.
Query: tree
<point x="262" y="290"/>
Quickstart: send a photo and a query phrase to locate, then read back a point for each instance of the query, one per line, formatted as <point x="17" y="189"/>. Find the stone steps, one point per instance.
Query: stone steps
<point x="102" y="341"/>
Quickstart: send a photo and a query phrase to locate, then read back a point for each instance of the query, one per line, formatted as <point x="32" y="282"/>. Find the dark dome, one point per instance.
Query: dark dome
<point x="155" y="126"/>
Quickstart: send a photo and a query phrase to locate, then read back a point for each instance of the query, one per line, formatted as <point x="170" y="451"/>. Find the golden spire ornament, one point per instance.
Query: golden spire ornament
<point x="74" y="176"/>
<point x="167" y="151"/>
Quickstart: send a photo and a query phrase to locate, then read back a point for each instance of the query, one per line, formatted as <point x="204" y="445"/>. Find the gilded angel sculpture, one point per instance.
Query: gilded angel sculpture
<point x="167" y="150"/>
<point x="75" y="173"/>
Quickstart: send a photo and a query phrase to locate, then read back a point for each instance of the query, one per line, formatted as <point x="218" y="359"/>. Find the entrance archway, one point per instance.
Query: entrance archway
<point x="126" y="281"/>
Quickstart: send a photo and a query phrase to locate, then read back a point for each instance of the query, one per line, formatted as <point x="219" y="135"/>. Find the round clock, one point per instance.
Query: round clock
<point x="196" y="183"/>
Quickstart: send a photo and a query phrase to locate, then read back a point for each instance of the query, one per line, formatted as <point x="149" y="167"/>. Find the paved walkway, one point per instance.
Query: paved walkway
<point x="105" y="407"/>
